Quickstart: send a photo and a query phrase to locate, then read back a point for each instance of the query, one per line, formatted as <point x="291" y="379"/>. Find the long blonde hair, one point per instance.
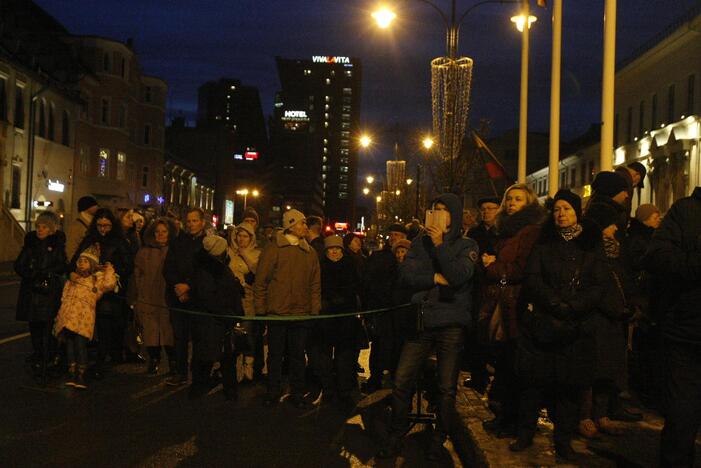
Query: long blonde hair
<point x="531" y="197"/>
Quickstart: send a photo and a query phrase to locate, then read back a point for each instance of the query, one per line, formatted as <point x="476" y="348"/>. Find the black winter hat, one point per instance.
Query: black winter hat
<point x="494" y="200"/>
<point x="397" y="227"/>
<point x="601" y="214"/>
<point x="609" y="184"/>
<point x="640" y="169"/>
<point x="86" y="202"/>
<point x="571" y="198"/>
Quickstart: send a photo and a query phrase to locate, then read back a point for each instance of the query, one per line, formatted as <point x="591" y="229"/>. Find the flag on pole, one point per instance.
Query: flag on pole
<point x="494" y="168"/>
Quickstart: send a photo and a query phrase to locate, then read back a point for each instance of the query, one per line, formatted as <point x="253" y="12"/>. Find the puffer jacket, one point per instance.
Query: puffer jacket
<point x="455" y="259"/>
<point x="244" y="264"/>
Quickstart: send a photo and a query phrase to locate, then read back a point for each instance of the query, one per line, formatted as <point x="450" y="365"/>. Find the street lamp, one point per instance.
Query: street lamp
<point x="521" y="22"/>
<point x="365" y="141"/>
<point x="366" y="191"/>
<point x="427" y="142"/>
<point x="370" y="179"/>
<point x="384" y="17"/>
<point x="245" y="192"/>
<point x="409" y="181"/>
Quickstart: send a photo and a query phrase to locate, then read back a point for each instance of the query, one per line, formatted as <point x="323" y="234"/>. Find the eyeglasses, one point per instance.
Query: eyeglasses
<point x="104" y="225"/>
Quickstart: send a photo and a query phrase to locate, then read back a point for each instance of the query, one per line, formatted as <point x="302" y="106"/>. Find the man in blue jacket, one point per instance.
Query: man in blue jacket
<point x="439" y="268"/>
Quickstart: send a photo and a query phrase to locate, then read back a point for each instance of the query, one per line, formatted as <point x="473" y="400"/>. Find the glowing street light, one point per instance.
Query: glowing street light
<point x="384" y="17"/>
<point x="428" y="143"/>
<point x="398" y="192"/>
<point x="365" y="141"/>
<point x="409" y="181"/>
<point x="378" y="199"/>
<point x="366" y="191"/>
<point x="520" y="21"/>
<point x="256" y="193"/>
<point x="370" y="179"/>
<point x="288" y="207"/>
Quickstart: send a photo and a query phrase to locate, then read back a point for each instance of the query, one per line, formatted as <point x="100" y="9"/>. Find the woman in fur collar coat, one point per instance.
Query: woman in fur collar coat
<point x="518" y="225"/>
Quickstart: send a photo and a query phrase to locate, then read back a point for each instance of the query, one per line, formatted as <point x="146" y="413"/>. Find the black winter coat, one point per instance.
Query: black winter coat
<point x="40" y="264"/>
<point x="116" y="250"/>
<point x="179" y="266"/>
<point x="674" y="258"/>
<point x="339" y="294"/>
<point x="564" y="280"/>
<point x="378" y="279"/>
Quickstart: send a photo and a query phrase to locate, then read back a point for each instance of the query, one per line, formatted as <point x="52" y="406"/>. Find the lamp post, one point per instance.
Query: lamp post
<point x="255" y="193"/>
<point x="608" y="85"/>
<point x="554" y="155"/>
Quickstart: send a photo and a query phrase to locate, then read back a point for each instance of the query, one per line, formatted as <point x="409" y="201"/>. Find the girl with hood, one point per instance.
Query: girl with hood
<point x="40" y="264"/>
<point x="438" y="268"/>
<point x="106" y="231"/>
<point x="243" y="262"/>
<point x="518" y="227"/>
<point x="564" y="282"/>
<point x="151" y="309"/>
<point x="75" y="322"/>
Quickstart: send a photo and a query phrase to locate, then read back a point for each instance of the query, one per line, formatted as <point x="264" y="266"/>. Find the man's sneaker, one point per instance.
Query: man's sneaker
<point x="70" y="379"/>
<point x="80" y="382"/>
<point x="177" y="380"/>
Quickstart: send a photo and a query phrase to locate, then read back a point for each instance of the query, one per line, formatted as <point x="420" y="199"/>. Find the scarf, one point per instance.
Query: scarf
<point x="612" y="247"/>
<point x="571" y="232"/>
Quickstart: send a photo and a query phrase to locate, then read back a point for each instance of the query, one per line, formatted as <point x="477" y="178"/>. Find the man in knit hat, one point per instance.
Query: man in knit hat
<point x="87" y="206"/>
<point x="288" y="283"/>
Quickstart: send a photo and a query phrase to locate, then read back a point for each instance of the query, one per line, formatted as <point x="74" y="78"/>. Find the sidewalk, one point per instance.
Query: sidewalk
<point x="638" y="447"/>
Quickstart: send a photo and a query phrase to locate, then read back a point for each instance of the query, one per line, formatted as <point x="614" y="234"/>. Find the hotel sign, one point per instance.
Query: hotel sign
<point x="298" y="115"/>
<point x="330" y="59"/>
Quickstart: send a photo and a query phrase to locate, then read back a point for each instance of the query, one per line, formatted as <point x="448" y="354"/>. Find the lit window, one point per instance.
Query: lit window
<point x="347" y="91"/>
<point x="326" y="125"/>
<point x="326" y="116"/>
<point x="326" y="150"/>
<point x="344" y="143"/>
<point x="103" y="163"/>
<point x="345" y="134"/>
<point x="307" y="72"/>
<point x="326" y="107"/>
<point x="342" y="195"/>
<point x="349" y="73"/>
<point x="327" y="99"/>
<point x="144" y="176"/>
<point x="328" y="81"/>
<point x="344" y="168"/>
<point x="325" y="159"/>
<point x="121" y="166"/>
<point x="326" y="141"/>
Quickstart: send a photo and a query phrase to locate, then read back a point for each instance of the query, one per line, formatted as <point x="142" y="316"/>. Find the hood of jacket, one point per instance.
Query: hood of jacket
<point x="150" y="232"/>
<point x="282" y="241"/>
<point x="454" y="205"/>
<point x="509" y="225"/>
<point x="251" y="232"/>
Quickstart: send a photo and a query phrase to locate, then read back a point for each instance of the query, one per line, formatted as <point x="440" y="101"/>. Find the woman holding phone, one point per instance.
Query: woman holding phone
<point x="518" y="226"/>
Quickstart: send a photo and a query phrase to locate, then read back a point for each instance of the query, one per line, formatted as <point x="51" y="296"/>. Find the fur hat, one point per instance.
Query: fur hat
<point x="333" y="241"/>
<point x="609" y="184"/>
<point x="251" y="213"/>
<point x="86" y="202"/>
<point x="291" y="217"/>
<point x="601" y="214"/>
<point x="49" y="219"/>
<point x="644" y="211"/>
<point x="92" y="253"/>
<point x="214" y="245"/>
<point x="404" y="243"/>
<point x="571" y="198"/>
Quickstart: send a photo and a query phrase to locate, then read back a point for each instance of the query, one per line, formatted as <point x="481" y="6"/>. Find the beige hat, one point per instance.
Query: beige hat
<point x="333" y="241"/>
<point x="214" y="245"/>
<point x="292" y="217"/>
<point x="92" y="253"/>
<point x="644" y="211"/>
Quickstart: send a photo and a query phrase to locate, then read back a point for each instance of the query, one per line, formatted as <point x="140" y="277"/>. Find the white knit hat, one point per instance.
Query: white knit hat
<point x="214" y="245"/>
<point x="292" y="217"/>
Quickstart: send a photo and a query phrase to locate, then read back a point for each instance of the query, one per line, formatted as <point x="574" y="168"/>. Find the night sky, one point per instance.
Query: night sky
<point x="190" y="42"/>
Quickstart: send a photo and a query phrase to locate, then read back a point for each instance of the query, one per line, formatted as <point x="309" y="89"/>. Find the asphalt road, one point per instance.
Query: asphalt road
<point x="131" y="419"/>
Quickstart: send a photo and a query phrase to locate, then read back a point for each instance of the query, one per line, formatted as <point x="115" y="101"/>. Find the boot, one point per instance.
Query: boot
<point x="172" y="366"/>
<point x="153" y="366"/>
<point x="80" y="382"/>
<point x="588" y="429"/>
<point x="70" y="379"/>
<point x="239" y="367"/>
<point x="521" y="443"/>
<point x="248" y="367"/>
<point x="565" y="451"/>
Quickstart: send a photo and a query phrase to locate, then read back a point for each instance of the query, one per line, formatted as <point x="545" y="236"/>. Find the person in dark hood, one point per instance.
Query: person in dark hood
<point x="439" y="268"/>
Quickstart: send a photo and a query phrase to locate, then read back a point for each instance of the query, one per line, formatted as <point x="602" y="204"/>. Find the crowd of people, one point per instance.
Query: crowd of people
<point x="545" y="306"/>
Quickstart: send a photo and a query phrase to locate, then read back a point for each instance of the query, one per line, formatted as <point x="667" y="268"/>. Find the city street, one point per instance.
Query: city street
<point x="131" y="419"/>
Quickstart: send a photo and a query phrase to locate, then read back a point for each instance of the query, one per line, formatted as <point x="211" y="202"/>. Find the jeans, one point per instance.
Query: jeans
<point x="683" y="403"/>
<point x="295" y="336"/>
<point x="448" y="344"/>
<point x="562" y="402"/>
<point x="76" y="348"/>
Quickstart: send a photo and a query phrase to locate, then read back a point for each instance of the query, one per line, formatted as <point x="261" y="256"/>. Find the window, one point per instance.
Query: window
<point x="590" y="174"/>
<point x="124" y="68"/>
<point x="106" y="63"/>
<point x="583" y="174"/>
<point x="84" y="161"/>
<point x="347" y="91"/>
<point x="573" y="177"/>
<point x="616" y="129"/>
<point x="345" y="134"/>
<point x="105" y="112"/>
<point x="691" y="88"/>
<point x="3" y="98"/>
<point x="121" y="166"/>
<point x="147" y="134"/>
<point x="349" y="73"/>
<point x="307" y="72"/>
<point x="653" y="112"/>
<point x="327" y="99"/>
<point x="147" y="94"/>
<point x="641" y="118"/>
<point x="122" y="116"/>
<point x="328" y="81"/>
<point x="342" y="195"/>
<point x="19" y="106"/>
<point x="144" y="176"/>
<point x="345" y="125"/>
<point x="670" y="104"/>
<point x="16" y="187"/>
<point x="103" y="162"/>
<point x="563" y="179"/>
<point x="42" y="119"/>
<point x="52" y="123"/>
<point x="344" y="169"/>
<point x="629" y="125"/>
<point x="65" y="129"/>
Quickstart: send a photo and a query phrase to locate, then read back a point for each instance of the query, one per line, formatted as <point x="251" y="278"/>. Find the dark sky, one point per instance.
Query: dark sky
<point x="188" y="42"/>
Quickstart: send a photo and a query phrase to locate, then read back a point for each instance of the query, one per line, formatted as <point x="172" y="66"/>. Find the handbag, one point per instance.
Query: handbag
<point x="547" y="329"/>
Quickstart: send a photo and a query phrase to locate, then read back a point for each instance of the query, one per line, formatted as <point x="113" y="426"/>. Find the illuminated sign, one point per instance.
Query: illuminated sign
<point x="238" y="156"/>
<point x="147" y="198"/>
<point x="295" y="115"/>
<point x="341" y="226"/>
<point x="250" y="155"/>
<point x="228" y="212"/>
<point x="330" y="59"/>
<point x="161" y="200"/>
<point x="56" y="186"/>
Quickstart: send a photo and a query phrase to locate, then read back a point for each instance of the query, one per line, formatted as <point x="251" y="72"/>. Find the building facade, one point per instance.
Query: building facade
<point x="314" y="132"/>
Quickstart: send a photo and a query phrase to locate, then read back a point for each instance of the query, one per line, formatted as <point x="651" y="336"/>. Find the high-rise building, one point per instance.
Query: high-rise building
<point x="313" y="131"/>
<point x="229" y="103"/>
